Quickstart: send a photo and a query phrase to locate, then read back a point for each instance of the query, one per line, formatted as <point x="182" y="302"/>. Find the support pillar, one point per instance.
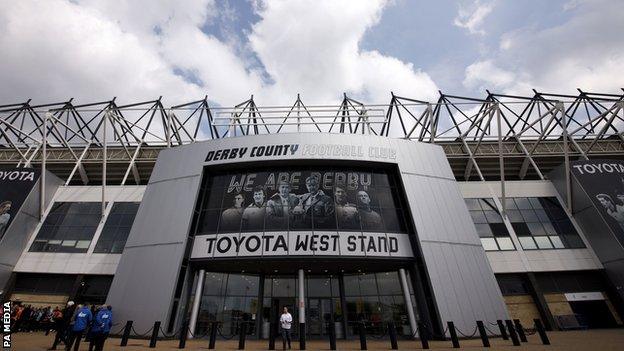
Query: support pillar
<point x="408" y="300"/>
<point x="301" y="305"/>
<point x="196" y="302"/>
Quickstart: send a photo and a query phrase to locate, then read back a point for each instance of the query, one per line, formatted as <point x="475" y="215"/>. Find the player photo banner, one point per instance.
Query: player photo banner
<point x="603" y="181"/>
<point x="15" y="185"/>
<point x="288" y="199"/>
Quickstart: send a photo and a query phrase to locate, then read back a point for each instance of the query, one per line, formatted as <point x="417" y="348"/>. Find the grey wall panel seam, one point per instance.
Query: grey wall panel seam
<point x="450" y="243"/>
<point x="152" y="245"/>
<point x="429" y="176"/>
<point x="176" y="178"/>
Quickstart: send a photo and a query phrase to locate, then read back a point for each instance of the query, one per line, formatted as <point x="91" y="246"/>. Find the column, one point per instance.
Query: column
<point x="408" y="300"/>
<point x="301" y="305"/>
<point x="196" y="302"/>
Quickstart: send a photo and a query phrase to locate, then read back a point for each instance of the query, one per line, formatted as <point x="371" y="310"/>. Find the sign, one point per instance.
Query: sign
<point x="301" y="244"/>
<point x="603" y="181"/>
<point x="584" y="296"/>
<point x="15" y="185"/>
<point x="307" y="150"/>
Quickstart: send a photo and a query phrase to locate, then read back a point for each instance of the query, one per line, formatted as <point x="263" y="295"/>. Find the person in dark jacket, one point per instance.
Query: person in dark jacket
<point x="101" y="328"/>
<point x="61" y="324"/>
<point x="82" y="319"/>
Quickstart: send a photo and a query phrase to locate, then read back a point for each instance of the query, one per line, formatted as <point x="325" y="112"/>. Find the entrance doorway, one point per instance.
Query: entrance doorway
<point x="319" y="315"/>
<point x="593" y="314"/>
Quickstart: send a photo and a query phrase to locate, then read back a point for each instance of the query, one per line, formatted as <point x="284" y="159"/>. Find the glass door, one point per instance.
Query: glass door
<point x="319" y="314"/>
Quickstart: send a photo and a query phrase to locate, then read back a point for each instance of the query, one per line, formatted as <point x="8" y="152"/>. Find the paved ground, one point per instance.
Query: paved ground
<point x="604" y="340"/>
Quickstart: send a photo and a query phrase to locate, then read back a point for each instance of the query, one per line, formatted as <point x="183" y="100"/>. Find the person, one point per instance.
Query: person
<point x="612" y="209"/>
<point x="82" y="319"/>
<point x="62" y="320"/>
<point x="5" y="216"/>
<point x="231" y="217"/>
<point x="285" y="324"/>
<point x="369" y="219"/>
<point x="280" y="206"/>
<point x="316" y="204"/>
<point x="346" y="212"/>
<point x="253" y="216"/>
<point x="101" y="328"/>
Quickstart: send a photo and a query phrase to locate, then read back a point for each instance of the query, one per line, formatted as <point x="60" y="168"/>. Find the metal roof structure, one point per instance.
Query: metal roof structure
<point x="493" y="138"/>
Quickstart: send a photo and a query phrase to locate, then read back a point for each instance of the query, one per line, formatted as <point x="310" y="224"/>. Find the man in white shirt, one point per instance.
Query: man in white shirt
<point x="5" y="216"/>
<point x="285" y="323"/>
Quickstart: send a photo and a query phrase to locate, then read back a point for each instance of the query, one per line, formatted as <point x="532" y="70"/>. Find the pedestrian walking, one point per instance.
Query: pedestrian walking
<point x="62" y="319"/>
<point x="82" y="319"/>
<point x="101" y="328"/>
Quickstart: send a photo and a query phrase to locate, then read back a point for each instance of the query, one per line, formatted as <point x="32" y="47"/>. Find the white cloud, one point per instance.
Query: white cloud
<point x="472" y="17"/>
<point x="312" y="47"/>
<point x="484" y="74"/>
<point x="94" y="50"/>
<point x="586" y="51"/>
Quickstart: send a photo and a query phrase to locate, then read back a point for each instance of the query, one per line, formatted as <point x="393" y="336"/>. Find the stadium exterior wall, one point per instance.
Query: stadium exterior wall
<point x="463" y="284"/>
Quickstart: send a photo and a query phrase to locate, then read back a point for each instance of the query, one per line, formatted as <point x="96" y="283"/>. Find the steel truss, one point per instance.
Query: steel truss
<point x="494" y="138"/>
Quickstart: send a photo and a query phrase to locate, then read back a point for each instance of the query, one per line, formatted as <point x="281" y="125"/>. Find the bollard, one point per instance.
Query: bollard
<point x="126" y="334"/>
<point x="332" y="335"/>
<point x="362" y="331"/>
<point x="302" y="336"/>
<point x="541" y="331"/>
<point x="242" y="336"/>
<point x="512" y="332"/>
<point x="183" y="334"/>
<point x="393" y="336"/>
<point x="502" y="329"/>
<point x="483" y="334"/>
<point x="154" y="337"/>
<point x="272" y="336"/>
<point x="213" y="335"/>
<point x="520" y="330"/>
<point x="453" y="332"/>
<point x="422" y="332"/>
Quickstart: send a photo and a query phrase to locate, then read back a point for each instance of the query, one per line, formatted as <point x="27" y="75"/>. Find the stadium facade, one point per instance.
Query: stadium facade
<point x="459" y="210"/>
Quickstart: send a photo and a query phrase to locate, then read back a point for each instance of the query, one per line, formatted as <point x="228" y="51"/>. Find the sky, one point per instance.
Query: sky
<point x="139" y="50"/>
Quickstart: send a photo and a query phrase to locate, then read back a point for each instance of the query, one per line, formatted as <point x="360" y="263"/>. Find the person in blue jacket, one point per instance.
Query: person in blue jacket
<point x="82" y="319"/>
<point x="101" y="327"/>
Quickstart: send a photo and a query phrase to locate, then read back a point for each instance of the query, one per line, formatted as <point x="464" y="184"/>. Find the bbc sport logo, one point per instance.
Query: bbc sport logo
<point x="6" y="325"/>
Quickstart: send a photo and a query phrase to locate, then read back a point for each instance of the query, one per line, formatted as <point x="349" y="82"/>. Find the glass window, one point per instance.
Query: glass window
<point x="489" y="244"/>
<point x="488" y="222"/>
<point x="515" y="216"/>
<point x="484" y="230"/>
<point x="493" y="217"/>
<point x="117" y="227"/>
<point x="556" y="241"/>
<point x="523" y="203"/>
<point x="545" y="218"/>
<point x="527" y="243"/>
<point x="69" y="227"/>
<point x="505" y="243"/>
<point x="543" y="242"/>
<point x="473" y="204"/>
<point x="230" y="299"/>
<point x="478" y="216"/>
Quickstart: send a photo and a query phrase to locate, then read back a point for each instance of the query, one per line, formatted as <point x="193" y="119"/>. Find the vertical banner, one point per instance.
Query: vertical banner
<point x="603" y="181"/>
<point x="15" y="185"/>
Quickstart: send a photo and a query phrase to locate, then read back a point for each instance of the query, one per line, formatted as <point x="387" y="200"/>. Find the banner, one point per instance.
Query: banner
<point x="603" y="181"/>
<point x="15" y="185"/>
<point x="299" y="199"/>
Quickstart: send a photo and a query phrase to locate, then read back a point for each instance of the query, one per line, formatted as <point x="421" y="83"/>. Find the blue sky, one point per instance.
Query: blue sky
<point x="229" y="50"/>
